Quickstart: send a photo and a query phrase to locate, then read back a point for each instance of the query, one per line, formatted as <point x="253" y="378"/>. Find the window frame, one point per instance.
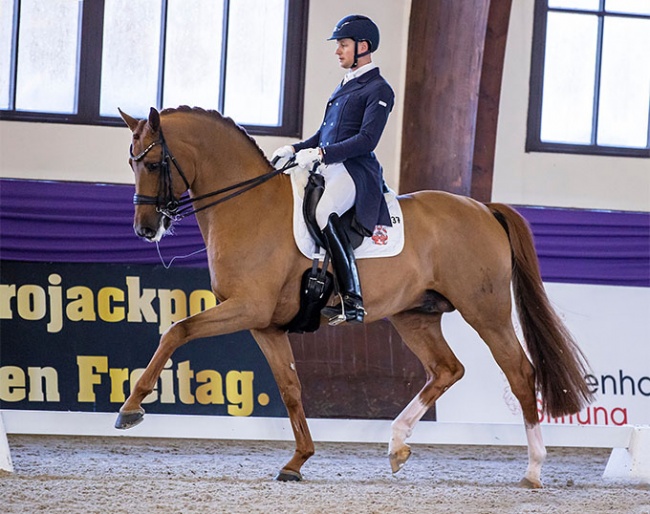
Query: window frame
<point x="89" y="74"/>
<point x="534" y="142"/>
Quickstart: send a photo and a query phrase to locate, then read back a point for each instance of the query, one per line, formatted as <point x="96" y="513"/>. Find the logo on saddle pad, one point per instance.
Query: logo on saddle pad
<point x="380" y="236"/>
<point x="384" y="242"/>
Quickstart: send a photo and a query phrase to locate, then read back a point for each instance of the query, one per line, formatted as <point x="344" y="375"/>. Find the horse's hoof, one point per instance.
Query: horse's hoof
<point x="129" y="419"/>
<point x="286" y="475"/>
<point x="526" y="483"/>
<point x="399" y="458"/>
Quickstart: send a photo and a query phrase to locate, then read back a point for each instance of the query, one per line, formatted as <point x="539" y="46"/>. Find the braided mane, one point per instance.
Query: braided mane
<point x="217" y="116"/>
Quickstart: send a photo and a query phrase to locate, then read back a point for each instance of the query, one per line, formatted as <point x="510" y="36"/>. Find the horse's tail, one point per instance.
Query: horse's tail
<point x="560" y="366"/>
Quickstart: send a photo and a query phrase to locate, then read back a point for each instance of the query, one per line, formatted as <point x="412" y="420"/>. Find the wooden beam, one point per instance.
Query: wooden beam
<point x="445" y="117"/>
<point x="488" y="100"/>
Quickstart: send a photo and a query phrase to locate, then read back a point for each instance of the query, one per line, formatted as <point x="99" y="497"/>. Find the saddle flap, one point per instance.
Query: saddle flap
<point x="384" y="242"/>
<point x="314" y="190"/>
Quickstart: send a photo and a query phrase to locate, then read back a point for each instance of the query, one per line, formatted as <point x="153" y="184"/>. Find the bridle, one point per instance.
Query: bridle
<point x="178" y="208"/>
<point x="165" y="202"/>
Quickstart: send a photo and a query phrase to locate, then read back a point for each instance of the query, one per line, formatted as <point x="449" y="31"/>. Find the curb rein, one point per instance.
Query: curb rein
<point x="177" y="209"/>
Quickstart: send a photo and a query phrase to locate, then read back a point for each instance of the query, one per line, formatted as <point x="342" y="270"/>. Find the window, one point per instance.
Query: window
<point x="590" y="77"/>
<point x="77" y="61"/>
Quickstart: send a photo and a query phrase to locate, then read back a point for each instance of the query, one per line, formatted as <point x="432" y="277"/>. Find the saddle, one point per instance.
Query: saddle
<point x="383" y="242"/>
<point x="313" y="193"/>
<point x="317" y="283"/>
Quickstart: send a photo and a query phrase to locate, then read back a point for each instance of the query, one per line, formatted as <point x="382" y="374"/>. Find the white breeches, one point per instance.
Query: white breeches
<point x="339" y="194"/>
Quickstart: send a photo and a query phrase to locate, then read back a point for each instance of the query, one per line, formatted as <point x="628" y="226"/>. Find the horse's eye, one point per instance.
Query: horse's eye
<point x="152" y="166"/>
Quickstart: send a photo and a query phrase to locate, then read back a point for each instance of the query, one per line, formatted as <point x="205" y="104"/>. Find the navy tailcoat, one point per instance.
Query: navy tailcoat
<point x="354" y="120"/>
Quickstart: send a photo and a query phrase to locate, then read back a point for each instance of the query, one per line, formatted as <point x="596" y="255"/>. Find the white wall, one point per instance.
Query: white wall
<point x="66" y="152"/>
<point x="49" y="151"/>
<point x="560" y="180"/>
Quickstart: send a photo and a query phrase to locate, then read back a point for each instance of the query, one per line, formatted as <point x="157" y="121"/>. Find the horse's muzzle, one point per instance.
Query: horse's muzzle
<point x="152" y="230"/>
<point x="147" y="233"/>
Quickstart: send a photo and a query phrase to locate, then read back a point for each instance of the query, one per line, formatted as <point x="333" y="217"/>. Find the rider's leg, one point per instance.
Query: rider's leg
<point x="345" y="271"/>
<point x="338" y="197"/>
<point x="339" y="194"/>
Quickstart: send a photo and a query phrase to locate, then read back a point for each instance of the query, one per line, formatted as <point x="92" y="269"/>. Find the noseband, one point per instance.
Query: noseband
<point x="177" y="209"/>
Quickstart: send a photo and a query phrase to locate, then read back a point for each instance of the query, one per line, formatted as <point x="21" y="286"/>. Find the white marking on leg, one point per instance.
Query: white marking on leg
<point x="536" y="453"/>
<point x="403" y="425"/>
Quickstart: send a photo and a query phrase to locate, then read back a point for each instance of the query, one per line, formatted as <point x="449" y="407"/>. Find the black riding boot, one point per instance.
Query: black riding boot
<point x="346" y="274"/>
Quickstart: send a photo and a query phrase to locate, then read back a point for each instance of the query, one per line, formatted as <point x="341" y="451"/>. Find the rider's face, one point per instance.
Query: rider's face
<point x="345" y="52"/>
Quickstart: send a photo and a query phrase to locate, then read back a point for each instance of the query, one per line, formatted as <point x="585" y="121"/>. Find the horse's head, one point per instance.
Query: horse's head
<point x="158" y="180"/>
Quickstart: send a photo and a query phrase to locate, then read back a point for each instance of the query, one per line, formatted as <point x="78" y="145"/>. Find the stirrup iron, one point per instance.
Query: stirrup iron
<point x="338" y="318"/>
<point x="341" y="317"/>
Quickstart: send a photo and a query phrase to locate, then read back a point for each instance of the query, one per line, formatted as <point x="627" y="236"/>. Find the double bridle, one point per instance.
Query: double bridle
<point x="178" y="208"/>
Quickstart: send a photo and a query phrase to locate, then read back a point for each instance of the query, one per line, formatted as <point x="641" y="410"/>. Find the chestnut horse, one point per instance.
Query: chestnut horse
<point x="458" y="254"/>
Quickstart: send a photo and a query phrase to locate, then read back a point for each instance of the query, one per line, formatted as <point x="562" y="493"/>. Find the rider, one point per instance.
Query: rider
<point x="355" y="117"/>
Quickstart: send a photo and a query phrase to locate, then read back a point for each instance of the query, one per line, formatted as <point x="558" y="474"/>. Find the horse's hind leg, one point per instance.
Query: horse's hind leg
<point x="511" y="358"/>
<point x="422" y="333"/>
<point x="277" y="349"/>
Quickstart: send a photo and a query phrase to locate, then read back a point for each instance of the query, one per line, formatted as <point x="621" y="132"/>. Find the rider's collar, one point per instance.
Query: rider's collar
<point x="354" y="74"/>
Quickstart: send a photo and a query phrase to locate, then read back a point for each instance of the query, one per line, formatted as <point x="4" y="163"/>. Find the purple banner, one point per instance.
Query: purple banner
<point x="86" y="222"/>
<point x="83" y="222"/>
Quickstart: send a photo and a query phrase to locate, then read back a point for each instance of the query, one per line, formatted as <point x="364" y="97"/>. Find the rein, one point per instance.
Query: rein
<point x="177" y="209"/>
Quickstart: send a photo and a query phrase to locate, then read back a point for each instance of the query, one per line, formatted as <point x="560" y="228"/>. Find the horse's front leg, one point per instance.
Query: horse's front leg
<point x="230" y="316"/>
<point x="277" y="349"/>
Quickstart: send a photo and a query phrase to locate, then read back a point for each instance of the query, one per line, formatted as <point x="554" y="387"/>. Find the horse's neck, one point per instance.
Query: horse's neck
<point x="225" y="158"/>
<point x="240" y="234"/>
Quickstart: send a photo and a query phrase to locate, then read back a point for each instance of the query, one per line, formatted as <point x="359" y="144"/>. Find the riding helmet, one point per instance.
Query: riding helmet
<point x="358" y="28"/>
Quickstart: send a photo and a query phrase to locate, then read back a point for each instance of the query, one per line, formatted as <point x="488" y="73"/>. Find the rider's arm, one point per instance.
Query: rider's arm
<point x="375" y="115"/>
<point x="312" y="142"/>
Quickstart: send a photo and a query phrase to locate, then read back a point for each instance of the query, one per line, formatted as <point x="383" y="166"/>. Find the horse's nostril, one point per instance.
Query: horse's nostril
<point x="145" y="232"/>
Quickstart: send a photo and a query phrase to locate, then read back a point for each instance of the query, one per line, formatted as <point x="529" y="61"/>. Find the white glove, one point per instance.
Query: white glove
<point x="282" y="155"/>
<point x="308" y="157"/>
<point x="284" y="152"/>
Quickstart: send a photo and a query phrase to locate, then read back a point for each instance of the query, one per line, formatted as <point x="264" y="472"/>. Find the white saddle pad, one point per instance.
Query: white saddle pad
<point x="385" y="242"/>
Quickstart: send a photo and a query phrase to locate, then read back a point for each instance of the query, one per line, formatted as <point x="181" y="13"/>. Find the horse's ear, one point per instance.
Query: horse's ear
<point x="132" y="123"/>
<point x="154" y="120"/>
